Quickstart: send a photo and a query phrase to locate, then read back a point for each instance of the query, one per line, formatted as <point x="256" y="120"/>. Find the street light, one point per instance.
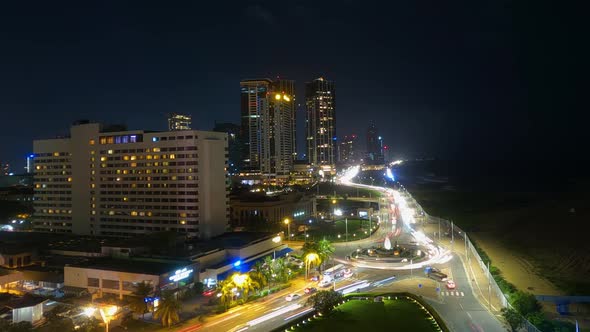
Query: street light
<point x="239" y="279"/>
<point x="288" y="223"/>
<point x="276" y="239"/>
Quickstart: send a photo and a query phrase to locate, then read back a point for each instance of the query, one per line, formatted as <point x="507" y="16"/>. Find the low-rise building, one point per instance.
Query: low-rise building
<point x="120" y="276"/>
<point x="271" y="209"/>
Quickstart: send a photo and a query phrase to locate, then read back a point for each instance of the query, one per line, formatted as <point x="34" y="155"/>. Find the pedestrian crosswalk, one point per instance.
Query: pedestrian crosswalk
<point x="453" y="293"/>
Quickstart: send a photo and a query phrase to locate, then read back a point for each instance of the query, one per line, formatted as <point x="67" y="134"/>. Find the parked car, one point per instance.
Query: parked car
<point x="292" y="297"/>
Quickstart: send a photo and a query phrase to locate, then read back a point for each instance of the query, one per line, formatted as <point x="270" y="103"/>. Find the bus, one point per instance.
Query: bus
<point x="335" y="273"/>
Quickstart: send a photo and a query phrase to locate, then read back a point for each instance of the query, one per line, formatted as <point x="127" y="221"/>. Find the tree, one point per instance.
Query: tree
<point x="21" y="327"/>
<point x="137" y="301"/>
<point x="512" y="318"/>
<point x="198" y="288"/>
<point x="258" y="276"/>
<point x="226" y="289"/>
<point x="55" y="314"/>
<point x="267" y="269"/>
<point x="92" y="324"/>
<point x="526" y="303"/>
<point x="324" y="301"/>
<point x="168" y="309"/>
<point x="279" y="269"/>
<point x="325" y="250"/>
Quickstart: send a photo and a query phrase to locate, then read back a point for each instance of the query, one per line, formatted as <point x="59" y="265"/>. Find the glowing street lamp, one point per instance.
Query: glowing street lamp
<point x="288" y="223"/>
<point x="276" y="239"/>
<point x="239" y="279"/>
<point x="309" y="259"/>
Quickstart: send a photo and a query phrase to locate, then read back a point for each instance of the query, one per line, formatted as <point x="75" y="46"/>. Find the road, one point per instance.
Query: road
<point x="460" y="308"/>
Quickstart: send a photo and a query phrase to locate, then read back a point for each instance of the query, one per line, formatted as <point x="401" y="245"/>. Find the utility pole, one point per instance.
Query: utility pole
<point x="466" y="254"/>
<point x="489" y="286"/>
<point x="346" y="222"/>
<point x="452" y="236"/>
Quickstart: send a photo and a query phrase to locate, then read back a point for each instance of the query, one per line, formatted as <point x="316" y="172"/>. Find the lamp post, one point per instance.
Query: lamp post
<point x="288" y="223"/>
<point x="346" y="223"/>
<point x="276" y="239"/>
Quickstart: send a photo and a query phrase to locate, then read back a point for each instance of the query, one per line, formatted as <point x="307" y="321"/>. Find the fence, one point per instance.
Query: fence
<point x="493" y="286"/>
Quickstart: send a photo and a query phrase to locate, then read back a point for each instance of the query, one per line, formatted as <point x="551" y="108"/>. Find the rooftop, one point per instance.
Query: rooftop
<point x="25" y="301"/>
<point x="132" y="265"/>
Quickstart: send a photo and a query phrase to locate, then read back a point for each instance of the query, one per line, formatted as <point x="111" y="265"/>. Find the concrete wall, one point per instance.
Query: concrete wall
<point x="212" y="185"/>
<point x="78" y="277"/>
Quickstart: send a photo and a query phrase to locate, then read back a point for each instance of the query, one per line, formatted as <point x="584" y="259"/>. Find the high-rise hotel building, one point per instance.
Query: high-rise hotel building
<point x="320" y="102"/>
<point x="121" y="183"/>
<point x="268" y="126"/>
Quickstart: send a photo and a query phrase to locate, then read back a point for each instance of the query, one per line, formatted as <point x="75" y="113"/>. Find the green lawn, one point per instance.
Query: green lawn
<point x="359" y="315"/>
<point x="331" y="230"/>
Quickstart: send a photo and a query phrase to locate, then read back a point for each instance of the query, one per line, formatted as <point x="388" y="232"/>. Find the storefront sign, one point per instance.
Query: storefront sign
<point x="181" y="274"/>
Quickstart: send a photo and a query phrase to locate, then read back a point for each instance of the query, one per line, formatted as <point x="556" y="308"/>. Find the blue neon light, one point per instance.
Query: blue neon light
<point x="237" y="263"/>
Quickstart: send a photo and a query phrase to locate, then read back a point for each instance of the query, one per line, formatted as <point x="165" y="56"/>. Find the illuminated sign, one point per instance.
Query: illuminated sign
<point x="181" y="274"/>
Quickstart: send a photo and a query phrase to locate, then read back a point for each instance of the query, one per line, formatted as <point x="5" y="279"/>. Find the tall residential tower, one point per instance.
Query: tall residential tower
<point x="320" y="102"/>
<point x="268" y="126"/>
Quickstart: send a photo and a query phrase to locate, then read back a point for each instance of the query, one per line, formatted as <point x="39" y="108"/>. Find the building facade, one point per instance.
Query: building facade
<point x="348" y="150"/>
<point x="121" y="276"/>
<point x="179" y="122"/>
<point x="123" y="183"/>
<point x="272" y="209"/>
<point x="268" y="126"/>
<point x="374" y="145"/>
<point x="235" y="144"/>
<point x="320" y="102"/>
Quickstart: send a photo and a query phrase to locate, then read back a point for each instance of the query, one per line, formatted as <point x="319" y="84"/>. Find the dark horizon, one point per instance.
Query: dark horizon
<point x="487" y="81"/>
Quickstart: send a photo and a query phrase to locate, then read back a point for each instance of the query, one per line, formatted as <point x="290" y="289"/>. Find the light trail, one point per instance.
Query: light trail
<point x="274" y="314"/>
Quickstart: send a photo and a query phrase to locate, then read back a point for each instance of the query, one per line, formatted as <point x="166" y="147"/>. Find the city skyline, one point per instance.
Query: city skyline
<point x="442" y="92"/>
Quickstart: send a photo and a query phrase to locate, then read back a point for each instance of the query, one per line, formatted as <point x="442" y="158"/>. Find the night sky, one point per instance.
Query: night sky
<point x="455" y="80"/>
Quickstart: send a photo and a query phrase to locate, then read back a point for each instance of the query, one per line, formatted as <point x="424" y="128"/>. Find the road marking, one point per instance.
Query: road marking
<point x="223" y="320"/>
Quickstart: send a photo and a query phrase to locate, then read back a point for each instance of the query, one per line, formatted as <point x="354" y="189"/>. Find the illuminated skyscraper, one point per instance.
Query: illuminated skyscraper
<point x="348" y="150"/>
<point x="179" y="122"/>
<point x="268" y="125"/>
<point x="320" y="102"/>
<point x="374" y="145"/>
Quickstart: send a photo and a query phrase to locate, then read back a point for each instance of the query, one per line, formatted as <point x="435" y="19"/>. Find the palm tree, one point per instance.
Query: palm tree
<point x="141" y="291"/>
<point x="258" y="276"/>
<point x="309" y="247"/>
<point x="247" y="286"/>
<point x="267" y="270"/>
<point x="325" y="250"/>
<point x="168" y="309"/>
<point x="280" y="269"/>
<point x="225" y="287"/>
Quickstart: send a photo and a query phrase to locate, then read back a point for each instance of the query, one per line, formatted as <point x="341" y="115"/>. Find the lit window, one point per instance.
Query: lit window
<point x="156" y="149"/>
<point x="92" y="142"/>
<point x="125" y="199"/>
<point x="149" y="157"/>
<point x="134" y="213"/>
<point x="172" y="156"/>
<point x="125" y="157"/>
<point x="133" y="157"/>
<point x="56" y="154"/>
<point x="182" y="222"/>
<point x="102" y="158"/>
<point x="69" y="179"/>
<point x="110" y="152"/>
<point x="133" y="164"/>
